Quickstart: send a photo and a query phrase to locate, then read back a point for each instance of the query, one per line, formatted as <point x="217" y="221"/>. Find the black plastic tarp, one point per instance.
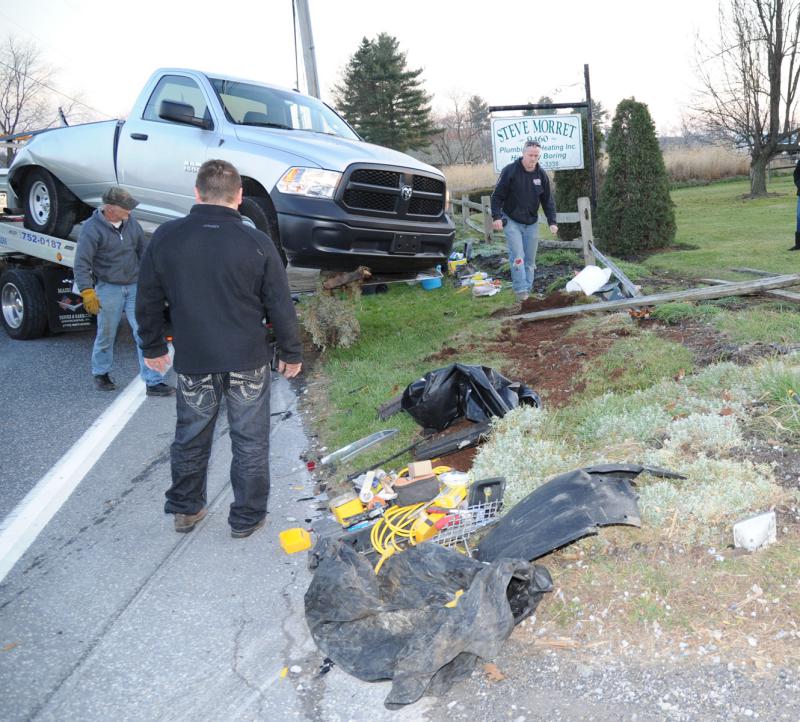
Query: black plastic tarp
<point x="475" y="392"/>
<point x="395" y="625"/>
<point x="565" y="508"/>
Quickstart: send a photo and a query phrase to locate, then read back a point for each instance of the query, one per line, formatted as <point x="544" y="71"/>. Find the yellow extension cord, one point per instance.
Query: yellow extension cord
<point x="396" y="526"/>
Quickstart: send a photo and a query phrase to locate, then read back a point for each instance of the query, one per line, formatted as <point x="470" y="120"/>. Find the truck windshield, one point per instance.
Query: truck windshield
<point x="249" y="104"/>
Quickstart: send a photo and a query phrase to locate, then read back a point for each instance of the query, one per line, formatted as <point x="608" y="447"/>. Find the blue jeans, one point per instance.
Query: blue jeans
<point x="797" y="228"/>
<point x="114" y="299"/>
<point x="523" y="242"/>
<point x="198" y="400"/>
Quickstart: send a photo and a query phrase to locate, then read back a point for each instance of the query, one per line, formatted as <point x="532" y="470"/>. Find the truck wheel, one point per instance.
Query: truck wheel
<point x="23" y="303"/>
<point x="49" y="207"/>
<point x="256" y="211"/>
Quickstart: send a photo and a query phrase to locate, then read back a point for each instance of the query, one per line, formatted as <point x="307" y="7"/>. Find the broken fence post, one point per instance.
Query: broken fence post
<point x="486" y="203"/>
<point x="587" y="235"/>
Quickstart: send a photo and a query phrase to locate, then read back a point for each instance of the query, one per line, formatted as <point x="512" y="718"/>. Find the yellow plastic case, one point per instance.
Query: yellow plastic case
<point x="295" y="540"/>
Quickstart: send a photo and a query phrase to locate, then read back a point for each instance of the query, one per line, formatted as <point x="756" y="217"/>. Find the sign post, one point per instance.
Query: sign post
<point x="509" y="135"/>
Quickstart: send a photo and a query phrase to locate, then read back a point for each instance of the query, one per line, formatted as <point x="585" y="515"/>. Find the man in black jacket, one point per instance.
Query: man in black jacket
<point x="221" y="279"/>
<point x="523" y="186"/>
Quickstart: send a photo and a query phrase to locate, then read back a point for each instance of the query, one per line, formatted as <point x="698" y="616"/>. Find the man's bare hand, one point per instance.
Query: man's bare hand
<point x="497" y="224"/>
<point x="289" y="370"/>
<point x="553" y="228"/>
<point x="160" y="363"/>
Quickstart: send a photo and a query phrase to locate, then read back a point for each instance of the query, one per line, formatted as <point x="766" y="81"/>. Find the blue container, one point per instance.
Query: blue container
<point x="430" y="283"/>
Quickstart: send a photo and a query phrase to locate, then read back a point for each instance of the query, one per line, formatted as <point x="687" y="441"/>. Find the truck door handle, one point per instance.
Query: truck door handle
<point x="139" y="136"/>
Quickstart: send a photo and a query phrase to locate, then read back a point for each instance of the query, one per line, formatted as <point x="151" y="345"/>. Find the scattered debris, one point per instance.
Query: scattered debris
<point x="475" y="392"/>
<point x="295" y="540"/>
<point x="493" y="672"/>
<point x="566" y="508"/>
<point x="356" y="447"/>
<point x="756" y="532"/>
<point x="396" y="625"/>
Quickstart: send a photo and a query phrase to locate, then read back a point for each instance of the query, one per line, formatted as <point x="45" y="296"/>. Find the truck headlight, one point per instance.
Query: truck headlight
<point x="313" y="182"/>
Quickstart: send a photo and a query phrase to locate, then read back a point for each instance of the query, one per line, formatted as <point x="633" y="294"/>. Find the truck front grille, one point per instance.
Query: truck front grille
<point x="366" y="201"/>
<point x="398" y="193"/>
<point x="375" y="177"/>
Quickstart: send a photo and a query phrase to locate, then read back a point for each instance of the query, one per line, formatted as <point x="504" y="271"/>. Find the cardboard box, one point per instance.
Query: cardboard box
<point x="419" y="468"/>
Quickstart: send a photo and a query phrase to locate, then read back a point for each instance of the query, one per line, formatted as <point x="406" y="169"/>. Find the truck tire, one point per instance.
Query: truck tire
<point x="258" y="211"/>
<point x="49" y="207"/>
<point x="23" y="303"/>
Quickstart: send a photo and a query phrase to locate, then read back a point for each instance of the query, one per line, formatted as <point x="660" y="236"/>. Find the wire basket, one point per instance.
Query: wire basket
<point x="466" y="522"/>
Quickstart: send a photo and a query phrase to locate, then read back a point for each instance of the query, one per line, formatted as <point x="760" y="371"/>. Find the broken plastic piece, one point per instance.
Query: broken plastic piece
<point x="756" y="532"/>
<point x="566" y="508"/>
<point x="349" y="451"/>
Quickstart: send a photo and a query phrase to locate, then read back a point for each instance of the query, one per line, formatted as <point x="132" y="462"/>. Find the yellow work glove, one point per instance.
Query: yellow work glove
<point x="90" y="301"/>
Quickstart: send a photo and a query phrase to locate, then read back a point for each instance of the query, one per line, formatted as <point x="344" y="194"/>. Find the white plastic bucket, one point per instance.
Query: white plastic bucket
<point x="589" y="280"/>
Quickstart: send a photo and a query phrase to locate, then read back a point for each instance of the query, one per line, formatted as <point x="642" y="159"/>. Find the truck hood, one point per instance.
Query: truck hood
<point x="327" y="151"/>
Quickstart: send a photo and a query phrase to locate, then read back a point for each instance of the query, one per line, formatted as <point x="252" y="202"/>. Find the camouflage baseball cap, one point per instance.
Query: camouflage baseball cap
<point x="118" y="196"/>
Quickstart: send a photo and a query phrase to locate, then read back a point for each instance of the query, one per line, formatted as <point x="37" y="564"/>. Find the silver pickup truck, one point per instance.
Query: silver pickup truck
<point x="328" y="199"/>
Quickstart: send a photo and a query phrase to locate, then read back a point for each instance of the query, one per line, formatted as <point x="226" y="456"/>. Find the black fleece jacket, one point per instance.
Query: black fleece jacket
<point x="519" y="193"/>
<point x="221" y="278"/>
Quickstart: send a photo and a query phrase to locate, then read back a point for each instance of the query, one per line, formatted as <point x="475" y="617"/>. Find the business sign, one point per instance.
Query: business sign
<point x="560" y="136"/>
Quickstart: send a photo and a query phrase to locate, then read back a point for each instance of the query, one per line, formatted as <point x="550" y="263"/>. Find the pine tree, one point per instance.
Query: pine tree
<point x="573" y="184"/>
<point x="382" y="99"/>
<point x="635" y="210"/>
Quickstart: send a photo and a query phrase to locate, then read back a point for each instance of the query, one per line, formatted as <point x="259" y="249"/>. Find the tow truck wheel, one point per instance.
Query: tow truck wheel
<point x="48" y="205"/>
<point x="257" y="212"/>
<point x="23" y="303"/>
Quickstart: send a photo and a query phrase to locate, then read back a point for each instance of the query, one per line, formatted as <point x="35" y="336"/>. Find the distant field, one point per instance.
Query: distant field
<point x="703" y="164"/>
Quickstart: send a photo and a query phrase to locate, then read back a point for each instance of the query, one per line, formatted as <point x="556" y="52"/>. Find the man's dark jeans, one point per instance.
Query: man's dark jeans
<point x="198" y="400"/>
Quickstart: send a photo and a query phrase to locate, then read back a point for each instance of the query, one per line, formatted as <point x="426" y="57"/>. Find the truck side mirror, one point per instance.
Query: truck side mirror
<point x="182" y="113"/>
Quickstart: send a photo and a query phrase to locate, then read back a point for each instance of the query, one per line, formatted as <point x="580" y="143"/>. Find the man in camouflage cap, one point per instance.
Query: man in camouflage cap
<point x="110" y="248"/>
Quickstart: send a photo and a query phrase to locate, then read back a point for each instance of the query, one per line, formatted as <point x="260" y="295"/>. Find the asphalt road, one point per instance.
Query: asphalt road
<point x="47" y="400"/>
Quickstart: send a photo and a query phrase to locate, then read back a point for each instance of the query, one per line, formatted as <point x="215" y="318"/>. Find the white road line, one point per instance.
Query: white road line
<point x="19" y="529"/>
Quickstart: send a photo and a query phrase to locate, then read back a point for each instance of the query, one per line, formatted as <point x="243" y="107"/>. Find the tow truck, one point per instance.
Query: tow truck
<point x="36" y="281"/>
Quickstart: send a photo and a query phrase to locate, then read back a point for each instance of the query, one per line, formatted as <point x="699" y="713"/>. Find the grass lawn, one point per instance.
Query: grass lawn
<point x="730" y="232"/>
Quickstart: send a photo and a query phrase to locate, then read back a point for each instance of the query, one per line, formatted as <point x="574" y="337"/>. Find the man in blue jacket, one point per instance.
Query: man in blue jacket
<point x="110" y="247"/>
<point x="221" y="278"/>
<point x="523" y="186"/>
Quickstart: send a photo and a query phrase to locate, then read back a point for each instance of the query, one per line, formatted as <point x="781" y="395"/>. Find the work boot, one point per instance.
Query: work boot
<point x="522" y="296"/>
<point x="796" y="241"/>
<point x="160" y="390"/>
<point x="242" y="533"/>
<point x="186" y="522"/>
<point x="104" y="382"/>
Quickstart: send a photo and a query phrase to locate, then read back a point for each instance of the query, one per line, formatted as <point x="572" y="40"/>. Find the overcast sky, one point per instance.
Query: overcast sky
<point x="507" y="52"/>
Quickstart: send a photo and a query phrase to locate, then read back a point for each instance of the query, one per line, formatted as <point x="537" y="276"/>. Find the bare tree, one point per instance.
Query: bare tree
<point x="462" y="131"/>
<point x="749" y="81"/>
<point x="26" y="99"/>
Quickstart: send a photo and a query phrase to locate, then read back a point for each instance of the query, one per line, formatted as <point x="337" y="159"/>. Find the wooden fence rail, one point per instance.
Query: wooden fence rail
<point x="582" y="216"/>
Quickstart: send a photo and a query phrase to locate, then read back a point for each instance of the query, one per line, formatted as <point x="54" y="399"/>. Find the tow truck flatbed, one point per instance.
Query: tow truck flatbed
<point x="36" y="283"/>
<point x="16" y="239"/>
